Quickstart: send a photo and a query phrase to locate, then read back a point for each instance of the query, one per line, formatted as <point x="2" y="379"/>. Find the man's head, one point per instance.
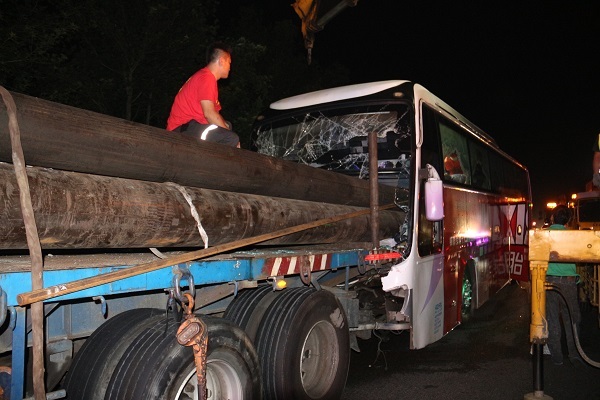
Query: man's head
<point x="218" y="57"/>
<point x="561" y="215"/>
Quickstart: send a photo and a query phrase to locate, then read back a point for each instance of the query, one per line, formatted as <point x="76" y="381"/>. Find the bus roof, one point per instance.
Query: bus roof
<point x="334" y="94"/>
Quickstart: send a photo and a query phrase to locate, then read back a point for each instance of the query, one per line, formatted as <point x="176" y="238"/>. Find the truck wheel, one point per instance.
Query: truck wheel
<point x="303" y="345"/>
<point x="156" y="366"/>
<point x="95" y="362"/>
<point x="248" y="308"/>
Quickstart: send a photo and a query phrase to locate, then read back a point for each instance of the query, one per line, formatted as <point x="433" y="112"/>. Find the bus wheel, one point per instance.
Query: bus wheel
<point x="303" y="345"/>
<point x="467" y="297"/>
<point x="156" y="366"/>
<point x="248" y="308"/>
<point x="95" y="362"/>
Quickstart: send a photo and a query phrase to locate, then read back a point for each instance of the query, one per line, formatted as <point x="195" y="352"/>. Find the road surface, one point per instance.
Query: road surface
<point x="485" y="358"/>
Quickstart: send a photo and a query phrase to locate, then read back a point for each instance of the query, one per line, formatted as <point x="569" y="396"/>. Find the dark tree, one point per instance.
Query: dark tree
<point x="139" y="52"/>
<point x="129" y="58"/>
<point x="34" y="37"/>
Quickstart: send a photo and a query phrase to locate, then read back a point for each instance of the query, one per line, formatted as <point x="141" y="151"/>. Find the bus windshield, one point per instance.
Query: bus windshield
<point x="337" y="139"/>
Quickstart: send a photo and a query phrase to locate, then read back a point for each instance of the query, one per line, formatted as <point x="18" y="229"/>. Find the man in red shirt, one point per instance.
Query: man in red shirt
<point x="196" y="107"/>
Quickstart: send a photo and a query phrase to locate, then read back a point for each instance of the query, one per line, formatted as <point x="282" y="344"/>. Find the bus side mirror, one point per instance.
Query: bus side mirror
<point x="434" y="195"/>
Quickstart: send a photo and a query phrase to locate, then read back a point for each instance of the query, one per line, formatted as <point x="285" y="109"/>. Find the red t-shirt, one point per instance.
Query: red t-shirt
<point x="186" y="106"/>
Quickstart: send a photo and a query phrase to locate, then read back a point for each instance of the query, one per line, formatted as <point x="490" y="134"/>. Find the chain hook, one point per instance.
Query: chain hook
<point x="183" y="274"/>
<point x="188" y="306"/>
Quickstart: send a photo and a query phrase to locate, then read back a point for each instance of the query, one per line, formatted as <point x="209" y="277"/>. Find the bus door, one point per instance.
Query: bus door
<point x="428" y="292"/>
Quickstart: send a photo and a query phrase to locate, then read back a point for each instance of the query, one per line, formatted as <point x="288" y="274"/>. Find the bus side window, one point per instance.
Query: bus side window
<point x="430" y="149"/>
<point x="456" y="156"/>
<point x="481" y="167"/>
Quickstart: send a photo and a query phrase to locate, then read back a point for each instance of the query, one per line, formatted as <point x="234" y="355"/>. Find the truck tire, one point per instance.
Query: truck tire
<point x="95" y="362"/>
<point x="303" y="346"/>
<point x="248" y="308"/>
<point x="156" y="366"/>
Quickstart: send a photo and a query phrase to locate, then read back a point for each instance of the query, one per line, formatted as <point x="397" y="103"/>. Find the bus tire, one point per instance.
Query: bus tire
<point x="156" y="366"/>
<point x="95" y="362"/>
<point x="303" y="345"/>
<point x="248" y="308"/>
<point x="467" y="290"/>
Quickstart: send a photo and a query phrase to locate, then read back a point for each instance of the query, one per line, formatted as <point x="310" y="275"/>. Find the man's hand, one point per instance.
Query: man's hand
<point x="212" y="115"/>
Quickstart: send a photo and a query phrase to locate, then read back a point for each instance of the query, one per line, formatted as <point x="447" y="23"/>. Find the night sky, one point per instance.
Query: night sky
<point x="526" y="72"/>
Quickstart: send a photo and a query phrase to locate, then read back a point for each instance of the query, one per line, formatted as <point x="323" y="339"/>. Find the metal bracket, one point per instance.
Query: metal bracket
<point x="103" y="304"/>
<point x="183" y="274"/>
<point x="236" y="287"/>
<point x="305" y="270"/>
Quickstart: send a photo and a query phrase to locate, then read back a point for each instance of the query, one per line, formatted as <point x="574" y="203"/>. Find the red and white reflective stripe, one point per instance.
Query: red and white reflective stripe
<point x="291" y="265"/>
<point x="325" y="262"/>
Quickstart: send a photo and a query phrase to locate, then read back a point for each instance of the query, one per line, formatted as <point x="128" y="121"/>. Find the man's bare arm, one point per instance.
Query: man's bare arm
<point x="212" y="115"/>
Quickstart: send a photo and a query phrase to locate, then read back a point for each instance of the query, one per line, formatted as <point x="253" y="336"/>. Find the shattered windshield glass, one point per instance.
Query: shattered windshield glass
<point x="338" y="140"/>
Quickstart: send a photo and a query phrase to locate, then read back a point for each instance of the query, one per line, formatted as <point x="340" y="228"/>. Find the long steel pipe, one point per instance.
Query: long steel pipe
<point x="67" y="138"/>
<point x="78" y="211"/>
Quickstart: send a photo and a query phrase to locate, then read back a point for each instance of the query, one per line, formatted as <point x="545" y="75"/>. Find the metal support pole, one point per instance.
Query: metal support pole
<point x="538" y="368"/>
<point x="347" y="279"/>
<point x="538" y="329"/>
<point x="19" y="346"/>
<point x="374" y="188"/>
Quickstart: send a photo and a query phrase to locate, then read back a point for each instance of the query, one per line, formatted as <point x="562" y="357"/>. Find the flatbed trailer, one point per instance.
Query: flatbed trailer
<point x="100" y="220"/>
<point x="74" y="316"/>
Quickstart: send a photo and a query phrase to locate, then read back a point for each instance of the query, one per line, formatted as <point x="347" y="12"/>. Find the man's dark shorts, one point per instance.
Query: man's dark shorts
<point x="209" y="132"/>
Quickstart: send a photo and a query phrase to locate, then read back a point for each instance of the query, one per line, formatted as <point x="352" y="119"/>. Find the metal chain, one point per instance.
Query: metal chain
<point x="193" y="332"/>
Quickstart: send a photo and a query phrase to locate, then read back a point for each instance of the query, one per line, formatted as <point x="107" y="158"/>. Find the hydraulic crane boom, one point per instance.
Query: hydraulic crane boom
<point x="315" y="14"/>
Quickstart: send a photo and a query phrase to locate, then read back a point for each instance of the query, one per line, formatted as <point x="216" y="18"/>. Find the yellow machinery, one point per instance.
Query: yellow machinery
<point x="556" y="246"/>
